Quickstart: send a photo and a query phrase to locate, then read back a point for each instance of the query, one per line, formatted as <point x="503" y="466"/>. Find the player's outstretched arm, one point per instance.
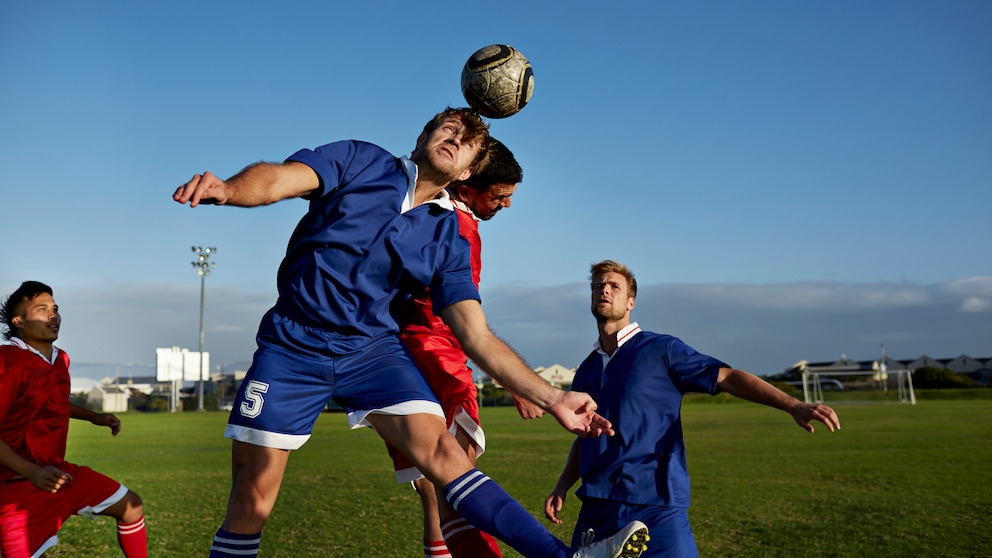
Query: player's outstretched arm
<point x="555" y="502"/>
<point x="525" y="408"/>
<point x="577" y="408"/>
<point x="99" y="419"/>
<point x="258" y="184"/>
<point x="573" y="410"/>
<point x="748" y="386"/>
<point x="805" y="413"/>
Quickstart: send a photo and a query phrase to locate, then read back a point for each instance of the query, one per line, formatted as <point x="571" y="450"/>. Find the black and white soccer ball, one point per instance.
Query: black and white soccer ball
<point x="497" y="81"/>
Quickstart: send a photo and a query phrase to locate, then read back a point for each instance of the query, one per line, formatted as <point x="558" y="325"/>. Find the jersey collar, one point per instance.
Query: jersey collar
<point x="410" y="168"/>
<point x="461" y="206"/>
<point x="624" y="335"/>
<point x="22" y="345"/>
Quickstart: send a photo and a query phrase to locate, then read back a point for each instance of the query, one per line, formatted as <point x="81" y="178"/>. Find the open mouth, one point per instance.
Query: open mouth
<point x="447" y="151"/>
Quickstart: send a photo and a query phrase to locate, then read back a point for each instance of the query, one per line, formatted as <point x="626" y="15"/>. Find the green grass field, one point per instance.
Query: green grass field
<point x="896" y="481"/>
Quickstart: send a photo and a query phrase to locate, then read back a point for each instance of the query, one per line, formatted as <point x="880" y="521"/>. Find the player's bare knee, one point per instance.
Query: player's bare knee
<point x="247" y="506"/>
<point x="448" y="451"/>
<point x="128" y="509"/>
<point x="445" y="461"/>
<point x="134" y="507"/>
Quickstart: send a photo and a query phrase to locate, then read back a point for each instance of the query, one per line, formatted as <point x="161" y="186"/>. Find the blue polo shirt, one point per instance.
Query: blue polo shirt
<point x="639" y="389"/>
<point x="359" y="245"/>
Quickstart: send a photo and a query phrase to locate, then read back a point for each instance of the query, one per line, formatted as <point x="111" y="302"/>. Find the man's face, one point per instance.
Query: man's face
<point x="39" y="321"/>
<point x="446" y="149"/>
<point x="487" y="203"/>
<point x="610" y="299"/>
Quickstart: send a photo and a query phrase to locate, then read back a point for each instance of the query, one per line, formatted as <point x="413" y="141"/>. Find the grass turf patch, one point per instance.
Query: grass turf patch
<point x="895" y="481"/>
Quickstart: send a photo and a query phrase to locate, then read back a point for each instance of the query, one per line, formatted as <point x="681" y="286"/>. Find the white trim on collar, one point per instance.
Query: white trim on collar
<point x="624" y="335"/>
<point x="20" y="344"/>
<point x="627" y="333"/>
<point x="461" y="206"/>
<point x="410" y="168"/>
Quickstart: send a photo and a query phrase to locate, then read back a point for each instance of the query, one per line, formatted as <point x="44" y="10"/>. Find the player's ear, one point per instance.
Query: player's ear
<point x="461" y="190"/>
<point x="17" y="321"/>
<point x="630" y="303"/>
<point x="465" y="174"/>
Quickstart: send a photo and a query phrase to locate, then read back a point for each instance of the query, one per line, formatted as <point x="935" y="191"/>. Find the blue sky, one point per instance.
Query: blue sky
<point x="788" y="179"/>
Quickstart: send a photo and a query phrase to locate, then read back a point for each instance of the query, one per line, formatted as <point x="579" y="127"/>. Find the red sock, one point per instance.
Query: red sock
<point x="133" y="539"/>
<point x="493" y="544"/>
<point x="465" y="541"/>
<point x="436" y="549"/>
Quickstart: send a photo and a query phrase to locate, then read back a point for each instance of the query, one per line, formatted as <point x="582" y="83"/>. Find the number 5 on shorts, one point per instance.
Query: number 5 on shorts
<point x="252" y="406"/>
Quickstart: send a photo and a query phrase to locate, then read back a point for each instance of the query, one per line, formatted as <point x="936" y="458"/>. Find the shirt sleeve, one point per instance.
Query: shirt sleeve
<point x="337" y="164"/>
<point x="452" y="281"/>
<point x="691" y="370"/>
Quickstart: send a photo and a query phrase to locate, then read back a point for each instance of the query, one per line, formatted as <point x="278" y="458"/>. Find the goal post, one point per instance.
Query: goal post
<point x="858" y="386"/>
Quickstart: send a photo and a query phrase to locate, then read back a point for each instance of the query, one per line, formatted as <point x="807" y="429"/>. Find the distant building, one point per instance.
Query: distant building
<point x="113" y="396"/>
<point x="225" y="386"/>
<point x="557" y="375"/>
<point x="978" y="369"/>
<point x="82" y="385"/>
<point x="109" y="399"/>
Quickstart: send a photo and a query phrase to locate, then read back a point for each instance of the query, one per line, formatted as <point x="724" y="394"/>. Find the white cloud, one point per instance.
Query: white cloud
<point x="761" y="328"/>
<point x="975" y="304"/>
<point x="977" y="286"/>
<point x="803" y="295"/>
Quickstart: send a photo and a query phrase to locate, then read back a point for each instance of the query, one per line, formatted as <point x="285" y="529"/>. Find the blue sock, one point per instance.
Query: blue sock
<point x="227" y="545"/>
<point x="489" y="508"/>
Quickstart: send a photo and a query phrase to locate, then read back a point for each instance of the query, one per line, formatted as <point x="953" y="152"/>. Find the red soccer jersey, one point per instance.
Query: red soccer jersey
<point x="34" y="406"/>
<point x="439" y="355"/>
<point x="416" y="316"/>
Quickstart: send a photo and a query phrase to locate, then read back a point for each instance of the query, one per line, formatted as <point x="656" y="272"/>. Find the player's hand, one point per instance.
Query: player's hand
<point x="527" y="409"/>
<point x="803" y="413"/>
<point x="50" y="479"/>
<point x="203" y="188"/>
<point x="554" y="504"/>
<point x="576" y="411"/>
<point x="108" y="420"/>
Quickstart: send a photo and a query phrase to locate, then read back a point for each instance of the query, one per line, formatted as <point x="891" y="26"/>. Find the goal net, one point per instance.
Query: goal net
<point x="858" y="386"/>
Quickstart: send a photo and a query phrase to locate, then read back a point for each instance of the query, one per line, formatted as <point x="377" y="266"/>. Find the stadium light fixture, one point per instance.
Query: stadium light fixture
<point x="202" y="265"/>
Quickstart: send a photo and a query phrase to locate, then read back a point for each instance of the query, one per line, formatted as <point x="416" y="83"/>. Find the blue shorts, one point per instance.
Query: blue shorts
<point x="671" y="536"/>
<point x="297" y="370"/>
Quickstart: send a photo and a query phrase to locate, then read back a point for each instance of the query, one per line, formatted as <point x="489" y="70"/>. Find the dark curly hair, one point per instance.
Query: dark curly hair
<point x="12" y="305"/>
<point x="503" y="168"/>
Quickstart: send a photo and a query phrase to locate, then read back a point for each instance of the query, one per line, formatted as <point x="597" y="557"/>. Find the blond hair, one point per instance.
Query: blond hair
<point x="611" y="266"/>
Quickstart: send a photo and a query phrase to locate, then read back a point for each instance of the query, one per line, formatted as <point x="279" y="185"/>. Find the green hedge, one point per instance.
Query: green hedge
<point x="930" y="377"/>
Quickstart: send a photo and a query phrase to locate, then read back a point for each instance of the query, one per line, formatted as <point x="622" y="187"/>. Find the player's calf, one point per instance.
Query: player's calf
<point x="131" y="534"/>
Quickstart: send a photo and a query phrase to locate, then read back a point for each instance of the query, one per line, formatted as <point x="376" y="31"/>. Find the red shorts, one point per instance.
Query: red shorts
<point x="30" y="519"/>
<point x="450" y="378"/>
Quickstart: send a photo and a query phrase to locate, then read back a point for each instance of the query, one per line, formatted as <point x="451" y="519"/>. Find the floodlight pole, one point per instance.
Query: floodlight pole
<point x="203" y="265"/>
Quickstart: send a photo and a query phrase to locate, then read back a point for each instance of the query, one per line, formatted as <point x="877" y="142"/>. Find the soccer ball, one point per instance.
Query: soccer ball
<point x="497" y="81"/>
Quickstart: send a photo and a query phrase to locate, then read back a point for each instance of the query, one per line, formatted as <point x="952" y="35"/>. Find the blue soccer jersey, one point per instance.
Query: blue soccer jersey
<point x="355" y="248"/>
<point x="640" y="392"/>
<point x="330" y="334"/>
